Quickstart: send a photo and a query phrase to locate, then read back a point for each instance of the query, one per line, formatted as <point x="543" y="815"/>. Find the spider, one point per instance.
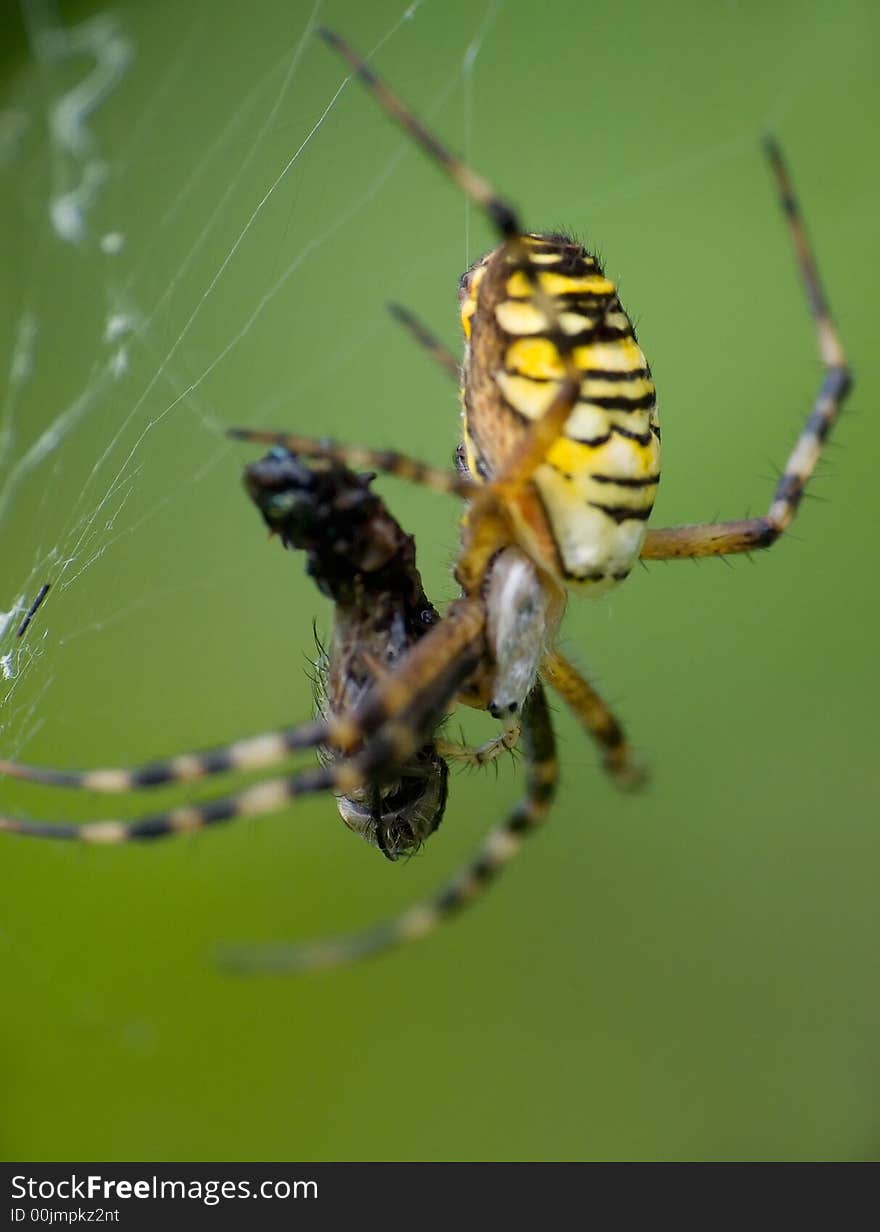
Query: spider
<point x="557" y="471"/>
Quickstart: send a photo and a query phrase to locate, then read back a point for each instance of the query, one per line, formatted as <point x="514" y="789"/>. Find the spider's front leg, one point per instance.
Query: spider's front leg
<point x="387" y="461"/>
<point x="427" y="680"/>
<point x="363" y="560"/>
<point x="343" y="731"/>
<point x="747" y="534"/>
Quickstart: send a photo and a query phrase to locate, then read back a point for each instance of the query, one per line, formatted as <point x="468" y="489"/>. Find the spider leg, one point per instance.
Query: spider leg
<point x="266" y="797"/>
<point x="481" y="754"/>
<point x="474" y="186"/>
<point x="253" y="753"/>
<point x="720" y="538"/>
<point x="500" y="847"/>
<point x="545" y="430"/>
<point x="263" y="798"/>
<point x="388" y="461"/>
<point x="426" y="340"/>
<point x="398" y="737"/>
<point x="595" y="717"/>
<point x="453" y="642"/>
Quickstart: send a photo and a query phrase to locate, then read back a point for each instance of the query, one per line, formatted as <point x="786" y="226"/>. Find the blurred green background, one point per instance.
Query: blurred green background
<point x="690" y="973"/>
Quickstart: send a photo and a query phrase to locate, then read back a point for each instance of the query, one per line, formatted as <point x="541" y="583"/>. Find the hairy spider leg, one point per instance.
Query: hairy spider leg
<point x="453" y="644"/>
<point x="387" y="461"/>
<point x="481" y="754"/>
<point x="596" y="718"/>
<point x="501" y="845"/>
<point x="397" y="737"/>
<point x="722" y="538"/>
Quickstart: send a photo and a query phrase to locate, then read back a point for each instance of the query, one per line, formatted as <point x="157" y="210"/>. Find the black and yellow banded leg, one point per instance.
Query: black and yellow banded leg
<point x="474" y="186"/>
<point x="595" y="717"/>
<point x="253" y="753"/>
<point x="450" y="649"/>
<point x="546" y="429"/>
<point x="358" y="457"/>
<point x="500" y="847"/>
<point x="748" y="534"/>
<point x="479" y="754"/>
<point x="394" y="743"/>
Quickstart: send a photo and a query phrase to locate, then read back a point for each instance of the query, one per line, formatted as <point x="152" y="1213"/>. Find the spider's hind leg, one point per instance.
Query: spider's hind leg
<point x="498" y="850"/>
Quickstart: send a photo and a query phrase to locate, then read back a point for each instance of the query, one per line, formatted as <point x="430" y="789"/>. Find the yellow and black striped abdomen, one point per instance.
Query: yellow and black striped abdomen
<point x="598" y="484"/>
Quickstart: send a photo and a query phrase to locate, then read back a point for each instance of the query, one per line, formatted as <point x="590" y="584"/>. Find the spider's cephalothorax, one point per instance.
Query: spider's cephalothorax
<point x="360" y="558"/>
<point x="558" y="471"/>
<point x="595" y="488"/>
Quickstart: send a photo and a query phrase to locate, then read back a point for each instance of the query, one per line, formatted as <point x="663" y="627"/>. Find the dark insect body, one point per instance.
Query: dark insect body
<point x="360" y="558"/>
